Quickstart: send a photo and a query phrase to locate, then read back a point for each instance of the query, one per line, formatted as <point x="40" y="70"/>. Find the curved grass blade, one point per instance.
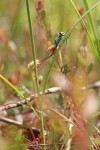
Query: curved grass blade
<point x="18" y="92"/>
<point x="67" y="34"/>
<point x="95" y="50"/>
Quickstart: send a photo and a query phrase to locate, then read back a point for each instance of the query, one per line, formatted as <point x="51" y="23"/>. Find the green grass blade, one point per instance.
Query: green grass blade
<point x="94" y="48"/>
<point x="65" y="38"/>
<point x="36" y="74"/>
<point x="32" y="44"/>
<point x="18" y="92"/>
<point x="92" y="26"/>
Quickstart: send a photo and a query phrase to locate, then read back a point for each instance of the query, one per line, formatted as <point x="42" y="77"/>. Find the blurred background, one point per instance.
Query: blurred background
<point x="49" y="17"/>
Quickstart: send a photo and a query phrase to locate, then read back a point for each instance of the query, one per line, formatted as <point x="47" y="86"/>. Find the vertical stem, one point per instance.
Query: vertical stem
<point x="42" y="129"/>
<point x="61" y="60"/>
<point x="32" y="44"/>
<point x="65" y="38"/>
<point x="98" y="24"/>
<point x="92" y="24"/>
<point x="92" y="43"/>
<point x="36" y="74"/>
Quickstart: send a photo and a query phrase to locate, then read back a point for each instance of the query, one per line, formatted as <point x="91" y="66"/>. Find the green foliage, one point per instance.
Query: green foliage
<point x="27" y="32"/>
<point x="19" y="142"/>
<point x="89" y="68"/>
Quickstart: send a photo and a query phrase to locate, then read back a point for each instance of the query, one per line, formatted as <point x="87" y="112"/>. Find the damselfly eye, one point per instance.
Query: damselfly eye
<point x="62" y="33"/>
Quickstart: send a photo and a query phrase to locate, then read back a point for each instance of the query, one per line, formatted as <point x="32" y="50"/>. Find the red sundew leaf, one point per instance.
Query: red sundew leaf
<point x="81" y="141"/>
<point x="80" y="138"/>
<point x="79" y="121"/>
<point x="39" y="4"/>
<point x="40" y="9"/>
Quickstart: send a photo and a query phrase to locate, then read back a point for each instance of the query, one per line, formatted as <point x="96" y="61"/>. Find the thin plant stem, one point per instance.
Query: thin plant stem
<point x="36" y="74"/>
<point x="32" y="44"/>
<point x="31" y="98"/>
<point x="61" y="116"/>
<point x="97" y="23"/>
<point x="92" y="25"/>
<point x="18" y="92"/>
<point x="42" y="130"/>
<point x="92" y="43"/>
<point x="61" y="60"/>
<point x="64" y="39"/>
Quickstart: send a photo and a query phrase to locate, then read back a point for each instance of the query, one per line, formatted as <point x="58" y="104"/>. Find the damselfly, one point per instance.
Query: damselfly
<point x="52" y="49"/>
